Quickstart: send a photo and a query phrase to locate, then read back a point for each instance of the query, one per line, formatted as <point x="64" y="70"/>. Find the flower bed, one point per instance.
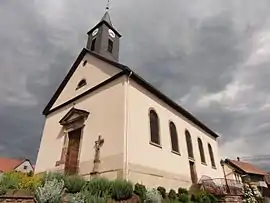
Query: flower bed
<point x="58" y="188"/>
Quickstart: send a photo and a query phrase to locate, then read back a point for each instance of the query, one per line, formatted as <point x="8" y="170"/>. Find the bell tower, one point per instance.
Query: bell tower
<point x="103" y="39"/>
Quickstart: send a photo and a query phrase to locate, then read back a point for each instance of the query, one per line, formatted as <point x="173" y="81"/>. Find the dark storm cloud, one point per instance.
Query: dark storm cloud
<point x="210" y="56"/>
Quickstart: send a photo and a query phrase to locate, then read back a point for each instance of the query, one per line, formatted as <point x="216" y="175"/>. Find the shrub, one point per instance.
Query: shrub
<point x="182" y="191"/>
<point x="51" y="176"/>
<point x="30" y="183"/>
<point x="95" y="199"/>
<point x="183" y="198"/>
<point x="162" y="191"/>
<point x="50" y="192"/>
<point x="3" y="190"/>
<point x="140" y="190"/>
<point x="153" y="196"/>
<point x="99" y="187"/>
<point x="121" y="189"/>
<point x="11" y="180"/>
<point x="172" y="194"/>
<point x="74" y="184"/>
<point x="204" y="197"/>
<point x="76" y="198"/>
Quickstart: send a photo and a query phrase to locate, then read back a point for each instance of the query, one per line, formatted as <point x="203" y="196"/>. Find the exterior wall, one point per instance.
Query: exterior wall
<point x="106" y="118"/>
<point x="144" y="159"/>
<point x="95" y="72"/>
<point x="26" y="164"/>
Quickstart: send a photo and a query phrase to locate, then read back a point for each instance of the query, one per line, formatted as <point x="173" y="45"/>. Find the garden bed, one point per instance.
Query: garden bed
<point x="58" y="188"/>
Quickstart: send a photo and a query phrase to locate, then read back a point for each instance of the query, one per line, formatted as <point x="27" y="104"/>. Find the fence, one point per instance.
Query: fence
<point x="219" y="186"/>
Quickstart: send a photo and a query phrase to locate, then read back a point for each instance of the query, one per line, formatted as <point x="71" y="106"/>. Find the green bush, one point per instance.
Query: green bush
<point x="98" y="187"/>
<point x="183" y="198"/>
<point x="121" y="189"/>
<point x="76" y="198"/>
<point x="182" y="191"/>
<point x="10" y="180"/>
<point x="153" y="196"/>
<point x="203" y="197"/>
<point x="51" y="176"/>
<point x="50" y="192"/>
<point x="162" y="191"/>
<point x="140" y="190"/>
<point x="3" y="190"/>
<point x="95" y="199"/>
<point x="172" y="194"/>
<point x="74" y="184"/>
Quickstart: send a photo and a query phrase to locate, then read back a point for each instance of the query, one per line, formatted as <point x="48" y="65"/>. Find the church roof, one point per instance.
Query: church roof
<point x="107" y="21"/>
<point x="125" y="71"/>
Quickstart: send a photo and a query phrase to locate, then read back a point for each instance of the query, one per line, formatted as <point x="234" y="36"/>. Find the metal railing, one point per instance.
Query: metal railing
<point x="219" y="186"/>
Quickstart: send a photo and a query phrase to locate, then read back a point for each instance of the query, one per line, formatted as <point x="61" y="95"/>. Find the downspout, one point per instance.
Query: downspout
<point x="126" y="125"/>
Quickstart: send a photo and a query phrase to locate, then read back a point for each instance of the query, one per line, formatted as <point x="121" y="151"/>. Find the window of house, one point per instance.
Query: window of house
<point x="211" y="156"/>
<point x="24" y="167"/>
<point x="189" y="145"/>
<point x="174" y="137"/>
<point x="154" y="127"/>
<point x="81" y="84"/>
<point x="110" y="46"/>
<point x="200" y="144"/>
<point x="93" y="45"/>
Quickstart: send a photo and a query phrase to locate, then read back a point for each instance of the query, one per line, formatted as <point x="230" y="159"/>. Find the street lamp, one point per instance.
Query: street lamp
<point x="222" y="163"/>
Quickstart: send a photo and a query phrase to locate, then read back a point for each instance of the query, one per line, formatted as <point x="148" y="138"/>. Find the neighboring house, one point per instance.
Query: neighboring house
<point x="10" y="164"/>
<point x="246" y="172"/>
<point x="138" y="132"/>
<point x="267" y="179"/>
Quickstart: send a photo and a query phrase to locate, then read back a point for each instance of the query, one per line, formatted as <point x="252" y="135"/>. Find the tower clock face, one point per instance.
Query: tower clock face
<point x="95" y="32"/>
<point x="111" y="33"/>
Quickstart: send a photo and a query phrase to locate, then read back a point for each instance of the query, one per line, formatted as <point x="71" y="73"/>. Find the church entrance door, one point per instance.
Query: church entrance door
<point x="193" y="173"/>
<point x="71" y="164"/>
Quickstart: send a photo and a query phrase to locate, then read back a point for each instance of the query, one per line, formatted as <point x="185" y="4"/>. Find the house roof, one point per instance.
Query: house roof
<point x="246" y="167"/>
<point x="8" y="164"/>
<point x="125" y="71"/>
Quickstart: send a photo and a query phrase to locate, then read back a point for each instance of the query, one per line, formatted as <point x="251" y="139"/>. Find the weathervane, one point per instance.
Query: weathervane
<point x="108" y="5"/>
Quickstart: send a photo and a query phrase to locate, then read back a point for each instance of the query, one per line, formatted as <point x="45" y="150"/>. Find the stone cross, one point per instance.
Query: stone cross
<point x="98" y="144"/>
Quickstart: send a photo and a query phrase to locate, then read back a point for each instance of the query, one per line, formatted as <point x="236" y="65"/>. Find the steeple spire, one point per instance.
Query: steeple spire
<point x="103" y="39"/>
<point x="106" y="18"/>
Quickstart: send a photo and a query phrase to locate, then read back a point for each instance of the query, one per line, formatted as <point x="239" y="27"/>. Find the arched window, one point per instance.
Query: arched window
<point x="189" y="145"/>
<point x="174" y="137"/>
<point x="81" y="84"/>
<point x="154" y="127"/>
<point x="211" y="154"/>
<point x="200" y="144"/>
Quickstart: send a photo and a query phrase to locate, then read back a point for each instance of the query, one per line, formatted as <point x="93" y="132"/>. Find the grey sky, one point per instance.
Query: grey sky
<point x="211" y="56"/>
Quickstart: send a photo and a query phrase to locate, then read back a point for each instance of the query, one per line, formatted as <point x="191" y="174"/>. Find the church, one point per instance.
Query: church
<point x="105" y="120"/>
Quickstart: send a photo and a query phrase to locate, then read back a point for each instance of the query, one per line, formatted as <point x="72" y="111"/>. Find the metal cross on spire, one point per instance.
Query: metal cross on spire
<point x="108" y="5"/>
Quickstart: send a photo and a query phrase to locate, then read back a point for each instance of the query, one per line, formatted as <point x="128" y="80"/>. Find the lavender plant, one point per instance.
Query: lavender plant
<point x="76" y="198"/>
<point x="50" y="192"/>
<point x="153" y="196"/>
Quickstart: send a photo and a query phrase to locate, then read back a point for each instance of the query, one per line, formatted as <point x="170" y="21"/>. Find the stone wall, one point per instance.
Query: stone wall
<point x="17" y="199"/>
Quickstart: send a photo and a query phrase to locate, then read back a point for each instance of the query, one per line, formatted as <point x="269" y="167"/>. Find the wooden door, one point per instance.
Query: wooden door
<point x="71" y="164"/>
<point x="193" y="173"/>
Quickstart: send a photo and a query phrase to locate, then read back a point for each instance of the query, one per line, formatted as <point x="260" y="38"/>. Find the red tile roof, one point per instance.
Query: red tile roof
<point x="8" y="164"/>
<point x="247" y="167"/>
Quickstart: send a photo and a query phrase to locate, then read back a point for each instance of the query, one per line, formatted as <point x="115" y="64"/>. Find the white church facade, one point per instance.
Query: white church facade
<point x="106" y="120"/>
